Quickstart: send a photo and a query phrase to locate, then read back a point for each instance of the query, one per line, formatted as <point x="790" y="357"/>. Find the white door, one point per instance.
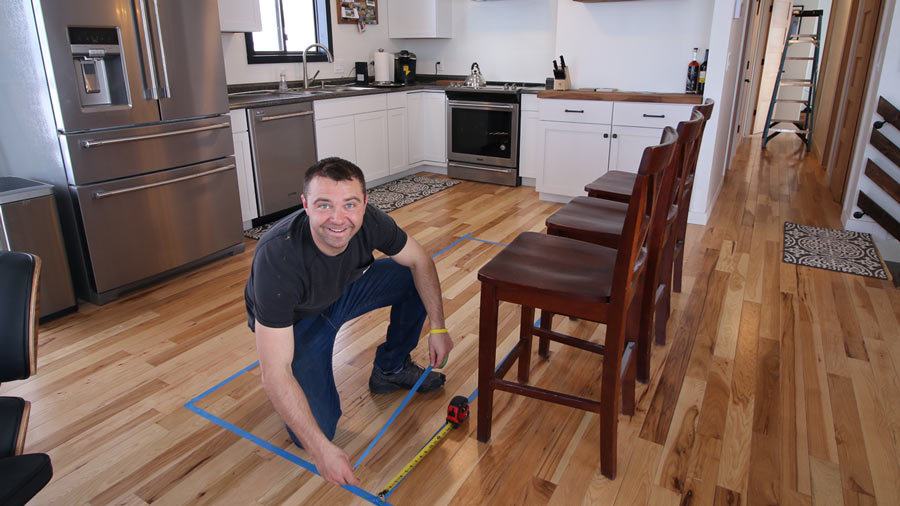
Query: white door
<point x="627" y="146"/>
<point x="398" y="140"/>
<point x="415" y="121"/>
<point x="372" y="144"/>
<point x="434" y="106"/>
<point x="575" y="154"/>
<point x="530" y="147"/>
<point x="336" y="137"/>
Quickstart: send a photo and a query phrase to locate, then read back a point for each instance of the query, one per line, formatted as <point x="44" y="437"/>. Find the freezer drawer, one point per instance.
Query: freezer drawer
<point x="112" y="154"/>
<point x="140" y="227"/>
<point x="284" y="146"/>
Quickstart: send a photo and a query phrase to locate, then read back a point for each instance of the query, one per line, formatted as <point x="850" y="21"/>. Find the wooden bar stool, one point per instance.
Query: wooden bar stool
<point x="600" y="221"/>
<point x="578" y="279"/>
<point x="616" y="185"/>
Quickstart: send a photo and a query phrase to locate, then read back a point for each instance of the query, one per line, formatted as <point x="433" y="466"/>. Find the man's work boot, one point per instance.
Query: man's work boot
<point x="381" y="382"/>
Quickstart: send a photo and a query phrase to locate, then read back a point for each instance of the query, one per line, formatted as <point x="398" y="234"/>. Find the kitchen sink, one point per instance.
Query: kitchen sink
<point x="275" y="93"/>
<point x="343" y="87"/>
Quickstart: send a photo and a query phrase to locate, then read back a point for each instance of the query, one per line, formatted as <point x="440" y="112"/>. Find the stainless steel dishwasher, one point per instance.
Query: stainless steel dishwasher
<point x="284" y="146"/>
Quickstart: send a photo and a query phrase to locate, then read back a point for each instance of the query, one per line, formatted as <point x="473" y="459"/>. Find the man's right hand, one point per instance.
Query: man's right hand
<point x="334" y="465"/>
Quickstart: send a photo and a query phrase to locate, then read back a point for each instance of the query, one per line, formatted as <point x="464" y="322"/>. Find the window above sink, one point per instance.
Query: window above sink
<point x="288" y="26"/>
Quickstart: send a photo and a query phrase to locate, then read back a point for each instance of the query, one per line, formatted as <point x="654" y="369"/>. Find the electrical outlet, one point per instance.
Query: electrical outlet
<point x="339" y="67"/>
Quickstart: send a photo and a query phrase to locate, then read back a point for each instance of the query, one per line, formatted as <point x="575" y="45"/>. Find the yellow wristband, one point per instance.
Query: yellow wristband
<point x="439" y="331"/>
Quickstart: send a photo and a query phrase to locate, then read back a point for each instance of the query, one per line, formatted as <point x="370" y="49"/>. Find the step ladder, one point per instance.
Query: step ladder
<point x="803" y="126"/>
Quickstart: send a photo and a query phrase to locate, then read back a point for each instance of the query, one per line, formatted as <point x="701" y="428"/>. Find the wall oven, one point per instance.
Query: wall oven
<point x="483" y="135"/>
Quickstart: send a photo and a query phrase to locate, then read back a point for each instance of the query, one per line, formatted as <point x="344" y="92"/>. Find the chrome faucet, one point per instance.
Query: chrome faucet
<point x="327" y="55"/>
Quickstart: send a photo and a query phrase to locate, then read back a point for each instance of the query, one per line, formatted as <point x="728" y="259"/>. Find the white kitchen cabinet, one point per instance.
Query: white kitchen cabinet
<point x="398" y="141"/>
<point x="336" y="137"/>
<point x="416" y="122"/>
<point x="244" y="163"/>
<point x="372" y="144"/>
<point x="420" y="19"/>
<point x="530" y="145"/>
<point x="434" y="109"/>
<point x="574" y="155"/>
<point x="239" y="16"/>
<point x="627" y="146"/>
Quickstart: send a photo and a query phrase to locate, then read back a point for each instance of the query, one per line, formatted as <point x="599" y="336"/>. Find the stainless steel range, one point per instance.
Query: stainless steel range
<point x="483" y="133"/>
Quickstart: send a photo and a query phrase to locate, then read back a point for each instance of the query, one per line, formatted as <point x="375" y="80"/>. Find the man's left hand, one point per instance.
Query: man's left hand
<point x="439" y="346"/>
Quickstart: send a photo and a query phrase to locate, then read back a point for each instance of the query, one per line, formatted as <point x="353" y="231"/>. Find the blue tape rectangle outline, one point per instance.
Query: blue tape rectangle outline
<point x="309" y="466"/>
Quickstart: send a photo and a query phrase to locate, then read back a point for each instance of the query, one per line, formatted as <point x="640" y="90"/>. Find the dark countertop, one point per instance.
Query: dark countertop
<point x="251" y="101"/>
<point x="14" y="189"/>
<point x="623" y="96"/>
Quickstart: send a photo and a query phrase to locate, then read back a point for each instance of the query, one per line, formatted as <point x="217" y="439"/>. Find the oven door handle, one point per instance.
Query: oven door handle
<point x="476" y="167"/>
<point x="487" y="106"/>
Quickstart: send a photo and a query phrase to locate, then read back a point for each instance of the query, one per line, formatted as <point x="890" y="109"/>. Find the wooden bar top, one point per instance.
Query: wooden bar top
<point x="623" y="96"/>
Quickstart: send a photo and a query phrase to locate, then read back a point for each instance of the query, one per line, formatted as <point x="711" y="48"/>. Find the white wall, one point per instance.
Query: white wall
<point x="888" y="86"/>
<point x="512" y="40"/>
<point x="725" y="41"/>
<point x="642" y="46"/>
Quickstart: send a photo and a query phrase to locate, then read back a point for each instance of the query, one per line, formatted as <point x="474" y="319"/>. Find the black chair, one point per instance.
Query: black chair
<point x="21" y="476"/>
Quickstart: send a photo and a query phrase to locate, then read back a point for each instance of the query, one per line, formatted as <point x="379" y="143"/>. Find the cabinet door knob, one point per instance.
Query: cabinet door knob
<point x="615" y="136"/>
<point x="606" y="136"/>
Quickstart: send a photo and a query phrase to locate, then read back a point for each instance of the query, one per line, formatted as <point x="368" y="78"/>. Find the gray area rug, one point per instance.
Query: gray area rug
<point x="388" y="196"/>
<point x="833" y="250"/>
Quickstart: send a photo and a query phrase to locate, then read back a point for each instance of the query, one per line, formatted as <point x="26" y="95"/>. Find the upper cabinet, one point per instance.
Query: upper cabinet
<point x="420" y="19"/>
<point x="239" y="16"/>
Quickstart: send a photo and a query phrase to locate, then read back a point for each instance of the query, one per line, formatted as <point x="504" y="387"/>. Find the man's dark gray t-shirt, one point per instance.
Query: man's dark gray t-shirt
<point x="291" y="279"/>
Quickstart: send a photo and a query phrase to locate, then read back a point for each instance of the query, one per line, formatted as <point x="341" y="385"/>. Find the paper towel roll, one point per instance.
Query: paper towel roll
<point x="384" y="67"/>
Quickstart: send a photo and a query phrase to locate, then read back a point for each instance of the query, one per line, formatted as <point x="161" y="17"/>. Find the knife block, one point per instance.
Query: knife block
<point x="562" y="84"/>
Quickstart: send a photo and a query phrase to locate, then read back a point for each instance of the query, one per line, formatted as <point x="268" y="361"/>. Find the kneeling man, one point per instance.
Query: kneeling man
<point x="312" y="272"/>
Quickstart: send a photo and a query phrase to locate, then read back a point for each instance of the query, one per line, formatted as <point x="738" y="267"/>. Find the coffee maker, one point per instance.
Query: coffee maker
<point x="405" y="67"/>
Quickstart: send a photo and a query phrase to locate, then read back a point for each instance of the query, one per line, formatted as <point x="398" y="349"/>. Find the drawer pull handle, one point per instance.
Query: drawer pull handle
<point x="654" y="115"/>
<point x="579" y="111"/>
<point x="104" y="194"/>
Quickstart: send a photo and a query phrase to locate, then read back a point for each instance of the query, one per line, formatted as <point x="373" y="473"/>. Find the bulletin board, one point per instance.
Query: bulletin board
<point x="356" y="11"/>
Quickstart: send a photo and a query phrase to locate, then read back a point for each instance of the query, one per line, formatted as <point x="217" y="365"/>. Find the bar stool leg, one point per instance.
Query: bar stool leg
<point x="543" y="342"/>
<point x="628" y="388"/>
<point x="487" y="355"/>
<point x="526" y="335"/>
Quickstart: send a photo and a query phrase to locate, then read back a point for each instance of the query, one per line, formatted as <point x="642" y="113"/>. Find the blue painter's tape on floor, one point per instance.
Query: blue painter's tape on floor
<point x="281" y="452"/>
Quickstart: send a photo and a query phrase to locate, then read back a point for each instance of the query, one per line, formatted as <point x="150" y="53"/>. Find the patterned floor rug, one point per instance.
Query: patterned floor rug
<point x="389" y="196"/>
<point x="833" y="250"/>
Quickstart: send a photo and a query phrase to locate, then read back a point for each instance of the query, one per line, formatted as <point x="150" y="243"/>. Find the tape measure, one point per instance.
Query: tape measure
<point x="457" y="413"/>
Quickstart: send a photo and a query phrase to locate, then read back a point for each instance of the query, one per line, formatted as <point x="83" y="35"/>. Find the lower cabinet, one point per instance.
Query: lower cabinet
<point x="627" y="146"/>
<point x="243" y="160"/>
<point x="336" y="137"/>
<point x="416" y="122"/>
<point x="574" y="155"/>
<point x="434" y="108"/>
<point x="531" y="142"/>
<point x="398" y="140"/>
<point x="372" y="144"/>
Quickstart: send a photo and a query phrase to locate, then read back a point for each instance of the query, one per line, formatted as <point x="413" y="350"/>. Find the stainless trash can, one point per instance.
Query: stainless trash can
<point x="29" y="223"/>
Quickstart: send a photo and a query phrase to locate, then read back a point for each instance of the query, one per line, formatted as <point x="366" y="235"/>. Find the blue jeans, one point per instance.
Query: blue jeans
<point x="386" y="283"/>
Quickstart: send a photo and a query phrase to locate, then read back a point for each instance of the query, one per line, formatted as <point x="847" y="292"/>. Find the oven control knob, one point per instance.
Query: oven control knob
<point x="503" y="147"/>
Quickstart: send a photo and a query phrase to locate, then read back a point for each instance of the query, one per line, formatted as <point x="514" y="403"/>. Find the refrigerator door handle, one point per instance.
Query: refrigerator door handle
<point x="145" y="45"/>
<point x="90" y="144"/>
<point x="165" y="88"/>
<point x="104" y="194"/>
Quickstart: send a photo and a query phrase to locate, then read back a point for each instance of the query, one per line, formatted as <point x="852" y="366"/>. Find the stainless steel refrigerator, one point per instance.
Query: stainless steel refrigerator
<point x="122" y="106"/>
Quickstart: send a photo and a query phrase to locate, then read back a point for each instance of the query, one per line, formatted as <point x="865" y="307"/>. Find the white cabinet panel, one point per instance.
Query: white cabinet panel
<point x="336" y="137"/>
<point x="420" y="19"/>
<point x="642" y="114"/>
<point x="434" y="107"/>
<point x="627" y="146"/>
<point x="239" y="16"/>
<point x="246" y="184"/>
<point x="574" y="155"/>
<point x="396" y="99"/>
<point x="398" y="140"/>
<point x="238" y="120"/>
<point x="372" y="144"/>
<point x="334" y="107"/>
<point x="416" y="123"/>
<point x="575" y="111"/>
<point x="531" y="145"/>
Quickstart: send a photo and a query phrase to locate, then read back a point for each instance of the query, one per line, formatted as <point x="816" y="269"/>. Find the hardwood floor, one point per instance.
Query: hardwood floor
<point x="779" y="384"/>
